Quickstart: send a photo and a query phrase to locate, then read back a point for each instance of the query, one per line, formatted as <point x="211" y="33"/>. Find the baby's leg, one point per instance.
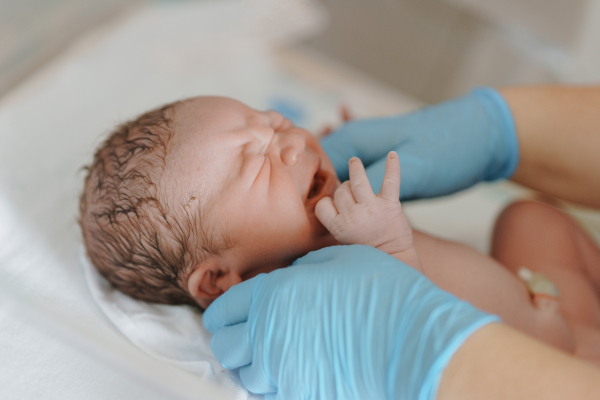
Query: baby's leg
<point x="485" y="283"/>
<point x="587" y="342"/>
<point x="544" y="239"/>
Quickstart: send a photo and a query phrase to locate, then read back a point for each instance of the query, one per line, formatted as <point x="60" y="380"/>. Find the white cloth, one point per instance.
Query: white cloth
<point x="172" y="334"/>
<point x="55" y="343"/>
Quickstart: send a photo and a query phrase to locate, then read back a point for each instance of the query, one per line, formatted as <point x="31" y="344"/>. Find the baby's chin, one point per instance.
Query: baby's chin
<point x="321" y="237"/>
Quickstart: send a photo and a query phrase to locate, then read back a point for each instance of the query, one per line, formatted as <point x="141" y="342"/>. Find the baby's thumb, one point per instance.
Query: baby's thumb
<point x="326" y="212"/>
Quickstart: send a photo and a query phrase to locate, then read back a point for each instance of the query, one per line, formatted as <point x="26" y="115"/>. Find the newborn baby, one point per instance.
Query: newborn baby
<point x="191" y="199"/>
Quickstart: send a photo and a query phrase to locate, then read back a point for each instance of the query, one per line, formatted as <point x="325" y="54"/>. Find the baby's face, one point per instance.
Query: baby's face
<point x="263" y="176"/>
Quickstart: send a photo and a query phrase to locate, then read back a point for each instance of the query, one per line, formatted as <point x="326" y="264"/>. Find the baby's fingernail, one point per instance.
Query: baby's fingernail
<point x="353" y="159"/>
<point x="392" y="155"/>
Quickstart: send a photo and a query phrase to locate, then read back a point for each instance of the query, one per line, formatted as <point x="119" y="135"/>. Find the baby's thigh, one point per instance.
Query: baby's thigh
<point x="536" y="233"/>
<point x="471" y="275"/>
<point x="546" y="240"/>
<point x="486" y="284"/>
<point x="587" y="343"/>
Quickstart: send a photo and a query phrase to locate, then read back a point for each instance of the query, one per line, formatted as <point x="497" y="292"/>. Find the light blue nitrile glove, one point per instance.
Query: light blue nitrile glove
<point x="345" y="322"/>
<point x="442" y="148"/>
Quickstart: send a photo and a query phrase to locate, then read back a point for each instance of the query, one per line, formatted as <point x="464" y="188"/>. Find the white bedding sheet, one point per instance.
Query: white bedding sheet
<point x="55" y="342"/>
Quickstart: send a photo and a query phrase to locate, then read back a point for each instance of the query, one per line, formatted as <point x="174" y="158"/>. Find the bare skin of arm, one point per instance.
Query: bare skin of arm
<point x="499" y="363"/>
<point x="559" y="138"/>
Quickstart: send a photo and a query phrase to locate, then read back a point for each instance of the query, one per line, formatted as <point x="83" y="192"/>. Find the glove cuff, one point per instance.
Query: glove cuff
<point x="505" y="142"/>
<point x="427" y="338"/>
<point x="432" y="381"/>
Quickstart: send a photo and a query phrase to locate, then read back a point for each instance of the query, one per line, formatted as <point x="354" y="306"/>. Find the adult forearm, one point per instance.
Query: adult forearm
<point x="559" y="138"/>
<point x="499" y="363"/>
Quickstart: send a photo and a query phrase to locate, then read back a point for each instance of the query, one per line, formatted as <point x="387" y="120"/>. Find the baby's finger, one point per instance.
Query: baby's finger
<point x="346" y="114"/>
<point x="390" y="188"/>
<point x="343" y="198"/>
<point x="361" y="188"/>
<point x="326" y="212"/>
<point x="326" y="131"/>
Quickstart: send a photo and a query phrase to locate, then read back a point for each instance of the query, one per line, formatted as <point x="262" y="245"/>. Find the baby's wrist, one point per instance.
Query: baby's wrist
<point x="409" y="256"/>
<point x="397" y="246"/>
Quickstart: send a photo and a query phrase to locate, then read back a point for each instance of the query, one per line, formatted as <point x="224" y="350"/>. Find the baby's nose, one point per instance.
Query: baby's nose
<point x="291" y="146"/>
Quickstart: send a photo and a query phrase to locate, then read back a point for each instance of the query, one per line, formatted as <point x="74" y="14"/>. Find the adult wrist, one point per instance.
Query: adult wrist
<point x="504" y="144"/>
<point x="441" y="328"/>
<point x="434" y="377"/>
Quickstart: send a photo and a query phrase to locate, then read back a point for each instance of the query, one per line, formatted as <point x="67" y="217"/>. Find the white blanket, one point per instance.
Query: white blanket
<point x="55" y="342"/>
<point x="172" y="334"/>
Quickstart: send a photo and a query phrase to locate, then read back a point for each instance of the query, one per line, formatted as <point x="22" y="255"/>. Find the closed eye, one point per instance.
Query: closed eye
<point x="265" y="170"/>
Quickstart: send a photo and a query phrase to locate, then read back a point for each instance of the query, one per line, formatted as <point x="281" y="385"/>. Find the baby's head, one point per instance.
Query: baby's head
<point x="192" y="198"/>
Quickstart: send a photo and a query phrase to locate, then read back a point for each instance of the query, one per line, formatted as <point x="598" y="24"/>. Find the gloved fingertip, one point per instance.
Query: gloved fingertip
<point x="255" y="380"/>
<point x="210" y="323"/>
<point x="231" y="346"/>
<point x="272" y="396"/>
<point x="231" y="308"/>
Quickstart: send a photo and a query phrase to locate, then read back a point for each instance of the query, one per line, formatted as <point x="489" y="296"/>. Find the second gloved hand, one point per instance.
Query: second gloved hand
<point x="442" y="148"/>
<point x="346" y="322"/>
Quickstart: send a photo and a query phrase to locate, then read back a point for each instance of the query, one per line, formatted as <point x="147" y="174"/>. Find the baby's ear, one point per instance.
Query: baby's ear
<point x="211" y="279"/>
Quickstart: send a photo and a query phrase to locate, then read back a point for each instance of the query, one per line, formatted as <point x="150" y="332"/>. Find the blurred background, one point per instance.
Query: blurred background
<point x="429" y="49"/>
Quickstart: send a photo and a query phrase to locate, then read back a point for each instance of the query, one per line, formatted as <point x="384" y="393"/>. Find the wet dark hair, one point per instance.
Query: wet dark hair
<point x="141" y="239"/>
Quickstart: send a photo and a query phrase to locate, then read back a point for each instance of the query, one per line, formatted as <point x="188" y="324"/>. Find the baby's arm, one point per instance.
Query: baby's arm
<point x="356" y="215"/>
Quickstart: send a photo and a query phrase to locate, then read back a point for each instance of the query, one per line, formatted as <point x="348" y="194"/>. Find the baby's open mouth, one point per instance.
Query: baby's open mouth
<point x="318" y="183"/>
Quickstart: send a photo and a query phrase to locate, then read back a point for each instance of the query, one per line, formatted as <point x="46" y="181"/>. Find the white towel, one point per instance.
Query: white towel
<point x="173" y="334"/>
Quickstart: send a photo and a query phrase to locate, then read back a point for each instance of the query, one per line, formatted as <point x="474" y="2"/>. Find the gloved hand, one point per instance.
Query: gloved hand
<point x="346" y="322"/>
<point x="442" y="148"/>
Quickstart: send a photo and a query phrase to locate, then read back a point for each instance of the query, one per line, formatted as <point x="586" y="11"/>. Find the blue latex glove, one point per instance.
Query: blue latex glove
<point x="442" y="148"/>
<point x="346" y="322"/>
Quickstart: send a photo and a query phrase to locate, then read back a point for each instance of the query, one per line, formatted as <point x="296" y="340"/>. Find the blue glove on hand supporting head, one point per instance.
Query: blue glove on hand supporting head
<point x="347" y="322"/>
<point x="442" y="148"/>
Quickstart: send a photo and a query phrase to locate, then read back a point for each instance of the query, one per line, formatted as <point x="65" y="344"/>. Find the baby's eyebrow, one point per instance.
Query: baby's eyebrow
<point x="275" y="119"/>
<point x="245" y="157"/>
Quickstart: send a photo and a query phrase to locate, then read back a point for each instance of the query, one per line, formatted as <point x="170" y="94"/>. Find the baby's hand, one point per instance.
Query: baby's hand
<point x="356" y="215"/>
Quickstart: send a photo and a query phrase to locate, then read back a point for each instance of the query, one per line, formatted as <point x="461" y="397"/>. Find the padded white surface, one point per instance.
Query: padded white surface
<point x="55" y="343"/>
<point x="172" y="334"/>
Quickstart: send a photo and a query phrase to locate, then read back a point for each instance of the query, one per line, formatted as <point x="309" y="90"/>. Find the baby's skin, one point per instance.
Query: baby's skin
<point x="356" y="215"/>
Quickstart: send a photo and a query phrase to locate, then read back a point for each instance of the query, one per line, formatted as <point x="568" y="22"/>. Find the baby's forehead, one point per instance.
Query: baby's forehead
<point x="202" y="131"/>
<point x="214" y="114"/>
<point x="203" y="124"/>
<point x="210" y="112"/>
